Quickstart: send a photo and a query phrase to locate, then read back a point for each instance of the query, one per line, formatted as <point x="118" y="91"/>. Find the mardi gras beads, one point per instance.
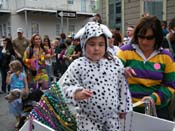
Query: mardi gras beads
<point x="53" y="111"/>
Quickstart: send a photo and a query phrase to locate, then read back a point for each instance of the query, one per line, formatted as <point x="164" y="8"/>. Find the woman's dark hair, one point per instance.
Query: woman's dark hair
<point x="117" y="38"/>
<point x="47" y="39"/>
<point x="171" y="24"/>
<point x="145" y="23"/>
<point x="9" y="45"/>
<point x="63" y="36"/>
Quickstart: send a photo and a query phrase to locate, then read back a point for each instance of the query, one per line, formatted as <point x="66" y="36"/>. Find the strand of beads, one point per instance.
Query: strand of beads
<point x="53" y="111"/>
<point x="60" y="120"/>
<point x="61" y="104"/>
<point x="54" y="116"/>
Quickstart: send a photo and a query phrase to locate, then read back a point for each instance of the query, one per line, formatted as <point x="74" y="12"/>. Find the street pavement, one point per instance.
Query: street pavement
<point x="7" y="120"/>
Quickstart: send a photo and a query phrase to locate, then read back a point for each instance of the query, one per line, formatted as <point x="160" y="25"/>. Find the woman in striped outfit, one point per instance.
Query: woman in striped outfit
<point x="151" y="67"/>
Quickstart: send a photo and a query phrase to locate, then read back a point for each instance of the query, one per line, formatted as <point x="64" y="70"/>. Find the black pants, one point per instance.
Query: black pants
<point x="4" y="70"/>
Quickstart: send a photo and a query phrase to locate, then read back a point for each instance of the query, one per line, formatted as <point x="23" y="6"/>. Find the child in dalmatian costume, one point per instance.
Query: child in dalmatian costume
<point x="96" y="83"/>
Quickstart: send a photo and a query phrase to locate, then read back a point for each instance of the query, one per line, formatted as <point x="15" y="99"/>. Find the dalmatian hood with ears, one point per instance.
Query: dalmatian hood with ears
<point x="92" y="29"/>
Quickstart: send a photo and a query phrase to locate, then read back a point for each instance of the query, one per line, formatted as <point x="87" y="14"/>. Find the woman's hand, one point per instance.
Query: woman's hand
<point x="129" y="72"/>
<point x="147" y="99"/>
<point x="33" y="63"/>
<point x="83" y="94"/>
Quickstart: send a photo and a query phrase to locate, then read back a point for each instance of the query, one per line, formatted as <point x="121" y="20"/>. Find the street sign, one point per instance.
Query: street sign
<point x="69" y="14"/>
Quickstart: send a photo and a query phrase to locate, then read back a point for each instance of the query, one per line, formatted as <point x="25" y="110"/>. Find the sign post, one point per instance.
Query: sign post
<point x="61" y="15"/>
<point x="67" y="14"/>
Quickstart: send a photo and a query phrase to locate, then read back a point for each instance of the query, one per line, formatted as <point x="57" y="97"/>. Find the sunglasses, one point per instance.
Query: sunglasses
<point x="150" y="37"/>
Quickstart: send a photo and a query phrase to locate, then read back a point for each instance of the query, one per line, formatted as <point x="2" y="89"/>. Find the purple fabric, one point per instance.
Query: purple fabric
<point x="127" y="47"/>
<point x="148" y="74"/>
<point x="162" y="96"/>
<point x="139" y="94"/>
<point x="171" y="84"/>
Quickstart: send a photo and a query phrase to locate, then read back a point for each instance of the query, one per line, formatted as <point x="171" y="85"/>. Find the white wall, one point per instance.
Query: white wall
<point x="47" y="24"/>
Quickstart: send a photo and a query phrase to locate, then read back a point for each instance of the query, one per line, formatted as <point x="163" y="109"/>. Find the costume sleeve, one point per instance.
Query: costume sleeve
<point x="71" y="82"/>
<point x="26" y="59"/>
<point x="125" y="102"/>
<point x="120" y="54"/>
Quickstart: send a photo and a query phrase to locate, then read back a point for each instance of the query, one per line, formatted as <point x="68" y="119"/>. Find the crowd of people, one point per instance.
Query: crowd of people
<point x="103" y="71"/>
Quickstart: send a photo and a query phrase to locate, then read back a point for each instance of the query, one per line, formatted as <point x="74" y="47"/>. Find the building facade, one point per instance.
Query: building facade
<point x="121" y="13"/>
<point x="46" y="17"/>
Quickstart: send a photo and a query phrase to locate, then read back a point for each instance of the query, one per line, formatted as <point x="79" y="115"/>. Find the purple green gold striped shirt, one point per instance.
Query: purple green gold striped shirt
<point x="155" y="76"/>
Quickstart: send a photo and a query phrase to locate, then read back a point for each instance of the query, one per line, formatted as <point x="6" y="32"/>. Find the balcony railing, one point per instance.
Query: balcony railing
<point x="49" y="5"/>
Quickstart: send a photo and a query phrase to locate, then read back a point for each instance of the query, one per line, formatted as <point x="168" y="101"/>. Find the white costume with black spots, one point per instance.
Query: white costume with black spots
<point x="105" y="78"/>
<point x="110" y="93"/>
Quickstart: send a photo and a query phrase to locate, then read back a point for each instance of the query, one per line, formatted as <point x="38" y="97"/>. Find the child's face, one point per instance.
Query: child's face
<point x="95" y="48"/>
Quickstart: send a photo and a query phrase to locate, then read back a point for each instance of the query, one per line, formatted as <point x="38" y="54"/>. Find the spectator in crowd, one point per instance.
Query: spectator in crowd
<point x="17" y="80"/>
<point x="1" y="41"/>
<point x="113" y="49"/>
<point x="169" y="41"/>
<point x="97" y="18"/>
<point x="69" y="51"/>
<point x="118" y="37"/>
<point x="96" y="83"/>
<point x="145" y="14"/>
<point x="34" y="60"/>
<point x="20" y="44"/>
<point x="63" y="38"/>
<point x="130" y="31"/>
<point x="56" y="49"/>
<point x="60" y="60"/>
<point x="150" y="67"/>
<point x="164" y="28"/>
<point x="7" y="54"/>
<point x="77" y="51"/>
<point x="49" y="54"/>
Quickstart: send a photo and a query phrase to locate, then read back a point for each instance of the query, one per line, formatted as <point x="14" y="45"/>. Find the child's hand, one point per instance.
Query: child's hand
<point x="9" y="72"/>
<point x="129" y="72"/>
<point x="83" y="94"/>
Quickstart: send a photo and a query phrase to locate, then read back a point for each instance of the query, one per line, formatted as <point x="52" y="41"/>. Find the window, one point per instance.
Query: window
<point x="58" y="29"/>
<point x="1" y="34"/>
<point x="70" y="2"/>
<point x="9" y="29"/>
<point x="35" y="28"/>
<point x="115" y="13"/>
<point x="4" y="30"/>
<point x="150" y="6"/>
<point x="71" y="28"/>
<point x="83" y="5"/>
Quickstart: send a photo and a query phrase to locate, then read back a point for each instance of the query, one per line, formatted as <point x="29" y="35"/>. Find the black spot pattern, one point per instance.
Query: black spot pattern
<point x="110" y="93"/>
